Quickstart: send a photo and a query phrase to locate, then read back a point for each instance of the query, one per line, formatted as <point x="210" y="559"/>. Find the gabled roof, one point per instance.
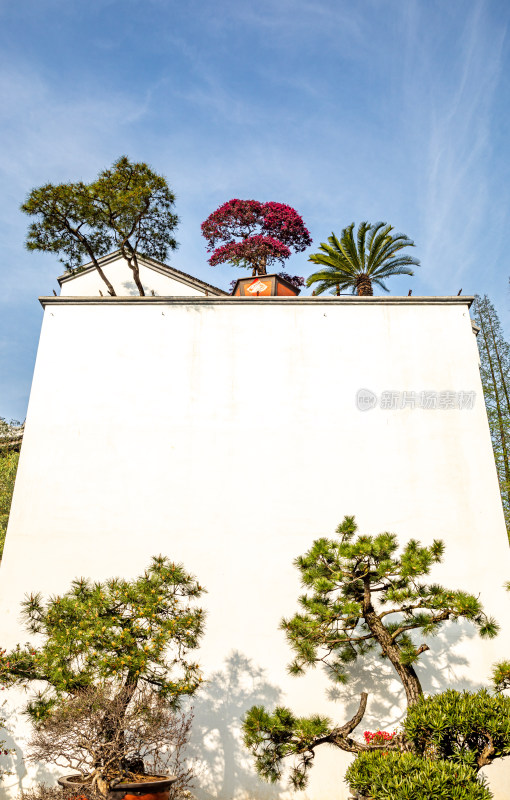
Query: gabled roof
<point x="151" y="263"/>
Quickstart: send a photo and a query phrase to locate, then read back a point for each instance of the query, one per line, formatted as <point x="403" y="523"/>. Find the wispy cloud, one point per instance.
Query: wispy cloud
<point x="451" y="95"/>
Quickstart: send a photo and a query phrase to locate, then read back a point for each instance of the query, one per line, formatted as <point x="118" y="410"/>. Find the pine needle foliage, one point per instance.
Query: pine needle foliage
<point x="354" y="265"/>
<point x="364" y="599"/>
<point x="133" y="633"/>
<point x="129" y="207"/>
<point x="500" y="677"/>
<point x="364" y="595"/>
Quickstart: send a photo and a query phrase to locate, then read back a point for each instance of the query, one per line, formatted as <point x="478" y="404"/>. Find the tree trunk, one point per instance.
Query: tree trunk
<point x="364" y="285"/>
<point x="84" y="241"/>
<point x="405" y="672"/>
<point x="132" y="261"/>
<point x="262" y="266"/>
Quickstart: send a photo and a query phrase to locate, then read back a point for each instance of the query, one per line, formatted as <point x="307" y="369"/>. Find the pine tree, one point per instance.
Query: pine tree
<point x="364" y="598"/>
<point x="129" y="207"/>
<point x="495" y="375"/>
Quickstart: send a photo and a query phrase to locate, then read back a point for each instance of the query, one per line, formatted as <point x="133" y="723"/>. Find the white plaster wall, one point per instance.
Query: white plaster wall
<point x="224" y="433"/>
<point x="88" y="284"/>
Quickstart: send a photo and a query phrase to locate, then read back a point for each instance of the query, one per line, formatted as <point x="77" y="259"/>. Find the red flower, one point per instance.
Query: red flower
<point x="379" y="737"/>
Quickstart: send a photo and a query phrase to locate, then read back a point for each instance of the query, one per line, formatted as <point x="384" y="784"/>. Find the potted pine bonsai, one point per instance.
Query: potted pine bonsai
<point x="113" y="662"/>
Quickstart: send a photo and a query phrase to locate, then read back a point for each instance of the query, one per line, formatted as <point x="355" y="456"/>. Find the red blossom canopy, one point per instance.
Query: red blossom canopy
<point x="252" y="234"/>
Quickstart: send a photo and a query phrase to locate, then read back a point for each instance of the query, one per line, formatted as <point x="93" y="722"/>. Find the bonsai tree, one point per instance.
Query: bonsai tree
<point x="254" y="235"/>
<point x="128" y="207"/>
<point x="357" y="265"/>
<point x="364" y="598"/>
<point x="129" y="637"/>
<point x="147" y="732"/>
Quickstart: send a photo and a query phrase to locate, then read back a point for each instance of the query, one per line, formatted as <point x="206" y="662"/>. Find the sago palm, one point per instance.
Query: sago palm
<point x="356" y="265"/>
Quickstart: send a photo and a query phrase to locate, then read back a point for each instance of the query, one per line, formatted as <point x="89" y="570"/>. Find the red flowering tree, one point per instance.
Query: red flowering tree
<point x="253" y="235"/>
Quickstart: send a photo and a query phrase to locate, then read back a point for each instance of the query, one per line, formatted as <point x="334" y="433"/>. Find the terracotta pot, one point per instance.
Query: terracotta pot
<point x="157" y="789"/>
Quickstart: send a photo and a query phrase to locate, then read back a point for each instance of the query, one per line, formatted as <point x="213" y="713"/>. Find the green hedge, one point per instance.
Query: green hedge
<point x="405" y="776"/>
<point x="459" y="726"/>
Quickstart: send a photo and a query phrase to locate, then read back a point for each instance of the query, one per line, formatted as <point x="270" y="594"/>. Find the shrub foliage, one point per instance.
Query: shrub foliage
<point x="407" y="776"/>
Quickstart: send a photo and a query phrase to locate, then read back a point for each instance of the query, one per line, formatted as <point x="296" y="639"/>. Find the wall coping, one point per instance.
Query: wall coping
<point x="229" y="299"/>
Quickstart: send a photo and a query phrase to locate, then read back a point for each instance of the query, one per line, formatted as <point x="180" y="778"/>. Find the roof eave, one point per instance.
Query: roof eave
<point x="152" y="263"/>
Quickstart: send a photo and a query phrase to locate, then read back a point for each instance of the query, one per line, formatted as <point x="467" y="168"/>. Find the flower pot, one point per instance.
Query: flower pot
<point x="153" y="787"/>
<point x="265" y="286"/>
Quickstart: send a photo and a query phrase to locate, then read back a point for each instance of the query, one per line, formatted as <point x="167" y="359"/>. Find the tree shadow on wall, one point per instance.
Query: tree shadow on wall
<point x="438" y="669"/>
<point x="224" y="766"/>
<point x="13" y="762"/>
<point x="15" y="734"/>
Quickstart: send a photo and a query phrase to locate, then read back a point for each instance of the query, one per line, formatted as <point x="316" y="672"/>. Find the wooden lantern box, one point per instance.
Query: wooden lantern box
<point x="265" y="286"/>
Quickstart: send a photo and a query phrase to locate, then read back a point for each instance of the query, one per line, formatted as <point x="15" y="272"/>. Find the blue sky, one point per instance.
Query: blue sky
<point x="394" y="110"/>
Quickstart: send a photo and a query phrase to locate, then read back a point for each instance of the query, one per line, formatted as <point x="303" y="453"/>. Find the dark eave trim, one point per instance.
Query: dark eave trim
<point x="278" y="300"/>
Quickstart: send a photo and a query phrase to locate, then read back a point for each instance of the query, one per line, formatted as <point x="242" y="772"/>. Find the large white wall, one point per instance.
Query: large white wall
<point x="224" y="433"/>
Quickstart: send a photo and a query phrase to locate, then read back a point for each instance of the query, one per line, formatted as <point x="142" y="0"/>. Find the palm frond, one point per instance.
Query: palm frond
<point x="372" y="233"/>
<point x="397" y="266"/>
<point x="380" y="240"/>
<point x="392" y="246"/>
<point x="348" y="248"/>
<point x="375" y="253"/>
<point x="363" y="229"/>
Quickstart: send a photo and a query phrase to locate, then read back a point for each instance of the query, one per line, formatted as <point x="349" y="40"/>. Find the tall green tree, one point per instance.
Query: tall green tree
<point x="495" y="374"/>
<point x="11" y="435"/>
<point x="356" y="264"/>
<point x="362" y="598"/>
<point x="128" y="207"/>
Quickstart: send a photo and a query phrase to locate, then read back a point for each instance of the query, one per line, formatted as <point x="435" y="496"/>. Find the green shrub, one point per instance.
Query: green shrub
<point x="406" y="776"/>
<point x="471" y="728"/>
